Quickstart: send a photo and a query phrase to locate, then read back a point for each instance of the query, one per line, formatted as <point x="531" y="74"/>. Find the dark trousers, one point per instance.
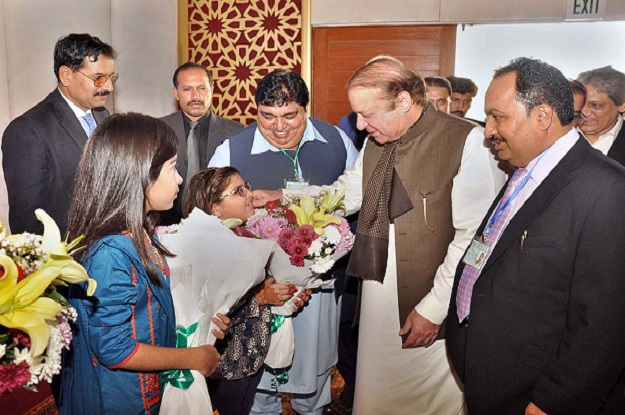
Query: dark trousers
<point x="234" y="397"/>
<point x="348" y="348"/>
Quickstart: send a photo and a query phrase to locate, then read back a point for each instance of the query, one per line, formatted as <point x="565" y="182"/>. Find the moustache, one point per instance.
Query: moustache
<point x="102" y="93"/>
<point x="492" y="139"/>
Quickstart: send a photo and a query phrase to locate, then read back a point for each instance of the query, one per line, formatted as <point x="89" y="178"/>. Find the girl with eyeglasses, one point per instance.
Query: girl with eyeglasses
<point x="222" y="192"/>
<point x="125" y="334"/>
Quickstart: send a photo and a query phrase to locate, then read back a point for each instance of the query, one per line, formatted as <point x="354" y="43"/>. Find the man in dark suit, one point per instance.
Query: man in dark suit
<point x="536" y="327"/>
<point x="41" y="148"/>
<point x="194" y="92"/>
<point x="605" y="100"/>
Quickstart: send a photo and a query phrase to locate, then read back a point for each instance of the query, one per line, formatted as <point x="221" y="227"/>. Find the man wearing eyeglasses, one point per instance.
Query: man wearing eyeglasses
<point x="41" y="148"/>
<point x="602" y="123"/>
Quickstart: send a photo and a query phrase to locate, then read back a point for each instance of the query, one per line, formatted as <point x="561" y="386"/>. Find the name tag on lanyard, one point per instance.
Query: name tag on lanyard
<point x="476" y="254"/>
<point x="295" y="184"/>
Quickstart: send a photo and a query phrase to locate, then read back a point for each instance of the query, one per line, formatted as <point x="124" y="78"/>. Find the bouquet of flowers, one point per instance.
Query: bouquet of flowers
<point x="211" y="272"/>
<point x="312" y="234"/>
<point x="308" y="228"/>
<point x="34" y="317"/>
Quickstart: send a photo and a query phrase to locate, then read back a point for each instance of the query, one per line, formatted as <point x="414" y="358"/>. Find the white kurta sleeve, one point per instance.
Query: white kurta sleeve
<point x="221" y="158"/>
<point x="474" y="188"/>
<point x="350" y="181"/>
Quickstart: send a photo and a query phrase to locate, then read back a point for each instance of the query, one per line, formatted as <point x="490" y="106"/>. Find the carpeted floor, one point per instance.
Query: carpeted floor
<point x="335" y="408"/>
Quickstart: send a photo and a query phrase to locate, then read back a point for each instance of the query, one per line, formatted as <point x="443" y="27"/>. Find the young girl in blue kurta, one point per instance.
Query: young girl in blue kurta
<point x="125" y="333"/>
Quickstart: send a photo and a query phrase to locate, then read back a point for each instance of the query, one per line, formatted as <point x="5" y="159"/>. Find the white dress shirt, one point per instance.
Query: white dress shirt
<point x="605" y="141"/>
<point x="79" y="113"/>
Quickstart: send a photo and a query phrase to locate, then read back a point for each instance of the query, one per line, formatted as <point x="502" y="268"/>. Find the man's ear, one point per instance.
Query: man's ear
<point x="174" y="91"/>
<point x="404" y="100"/>
<point x="544" y="114"/>
<point x="621" y="108"/>
<point x="65" y="75"/>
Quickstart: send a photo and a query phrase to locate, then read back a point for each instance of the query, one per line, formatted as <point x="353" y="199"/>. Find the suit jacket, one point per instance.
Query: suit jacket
<point x="617" y="151"/>
<point x="41" y="150"/>
<point x="546" y="322"/>
<point x="219" y="128"/>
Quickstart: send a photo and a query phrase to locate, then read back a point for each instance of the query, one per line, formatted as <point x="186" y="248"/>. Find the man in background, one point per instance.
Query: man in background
<point x="199" y="130"/>
<point x="605" y="100"/>
<point x="463" y="90"/>
<point x="579" y="99"/>
<point x="438" y="91"/>
<point x="41" y="148"/>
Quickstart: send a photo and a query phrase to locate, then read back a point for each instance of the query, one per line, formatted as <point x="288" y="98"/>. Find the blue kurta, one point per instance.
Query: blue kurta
<point x="125" y="310"/>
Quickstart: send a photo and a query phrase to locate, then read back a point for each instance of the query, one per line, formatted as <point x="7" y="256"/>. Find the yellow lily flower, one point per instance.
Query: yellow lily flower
<point x="232" y="223"/>
<point x="71" y="271"/>
<point x="21" y="303"/>
<point x="308" y="214"/>
<point x="332" y="202"/>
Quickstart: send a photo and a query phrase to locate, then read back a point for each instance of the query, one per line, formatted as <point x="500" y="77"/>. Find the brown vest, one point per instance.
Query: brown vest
<point x="428" y="158"/>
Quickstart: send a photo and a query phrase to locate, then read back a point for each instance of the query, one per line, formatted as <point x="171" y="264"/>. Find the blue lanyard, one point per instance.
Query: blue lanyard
<point x="513" y="196"/>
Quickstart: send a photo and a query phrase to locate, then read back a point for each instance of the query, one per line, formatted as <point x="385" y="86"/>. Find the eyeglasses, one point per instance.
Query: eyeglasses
<point x="239" y="190"/>
<point x="100" y="80"/>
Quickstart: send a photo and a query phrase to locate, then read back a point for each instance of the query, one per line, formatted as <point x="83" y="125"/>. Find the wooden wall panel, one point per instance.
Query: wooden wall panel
<point x="339" y="51"/>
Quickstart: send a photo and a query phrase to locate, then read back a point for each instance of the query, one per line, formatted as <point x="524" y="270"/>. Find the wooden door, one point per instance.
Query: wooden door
<point x="339" y="51"/>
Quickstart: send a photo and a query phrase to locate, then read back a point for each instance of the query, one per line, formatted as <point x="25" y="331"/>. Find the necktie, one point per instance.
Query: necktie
<point x="470" y="274"/>
<point x="90" y="123"/>
<point x="193" y="154"/>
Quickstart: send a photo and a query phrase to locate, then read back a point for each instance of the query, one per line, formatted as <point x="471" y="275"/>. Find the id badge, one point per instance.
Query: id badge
<point x="476" y="254"/>
<point x="295" y="184"/>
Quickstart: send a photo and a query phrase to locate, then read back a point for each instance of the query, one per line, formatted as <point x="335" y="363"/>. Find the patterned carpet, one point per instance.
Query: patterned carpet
<point x="335" y="408"/>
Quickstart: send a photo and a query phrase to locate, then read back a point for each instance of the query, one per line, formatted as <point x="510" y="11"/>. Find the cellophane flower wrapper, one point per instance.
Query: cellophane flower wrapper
<point x="215" y="266"/>
<point x="195" y="399"/>
<point x="282" y="347"/>
<point x="312" y="234"/>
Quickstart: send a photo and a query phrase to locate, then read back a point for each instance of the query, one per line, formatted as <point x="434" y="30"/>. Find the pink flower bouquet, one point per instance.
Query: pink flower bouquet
<point x="311" y="234"/>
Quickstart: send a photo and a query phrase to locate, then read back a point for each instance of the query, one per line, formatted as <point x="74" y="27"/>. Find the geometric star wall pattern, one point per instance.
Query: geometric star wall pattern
<point x="240" y="42"/>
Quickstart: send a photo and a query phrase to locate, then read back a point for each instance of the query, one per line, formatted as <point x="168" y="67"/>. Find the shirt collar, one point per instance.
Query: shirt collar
<point x="552" y="157"/>
<point x="77" y="111"/>
<point x="261" y="145"/>
<point x="611" y="135"/>
<point x="187" y="120"/>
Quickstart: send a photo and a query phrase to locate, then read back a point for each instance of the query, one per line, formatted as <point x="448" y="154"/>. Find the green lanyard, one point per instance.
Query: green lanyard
<point x="294" y="160"/>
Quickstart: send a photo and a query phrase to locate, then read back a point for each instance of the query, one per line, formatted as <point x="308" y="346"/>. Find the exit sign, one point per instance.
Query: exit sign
<point x="585" y="9"/>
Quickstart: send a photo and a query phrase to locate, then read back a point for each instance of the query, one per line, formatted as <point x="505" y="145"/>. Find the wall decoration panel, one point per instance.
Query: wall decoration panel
<point x="242" y="41"/>
<point x="339" y="51"/>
